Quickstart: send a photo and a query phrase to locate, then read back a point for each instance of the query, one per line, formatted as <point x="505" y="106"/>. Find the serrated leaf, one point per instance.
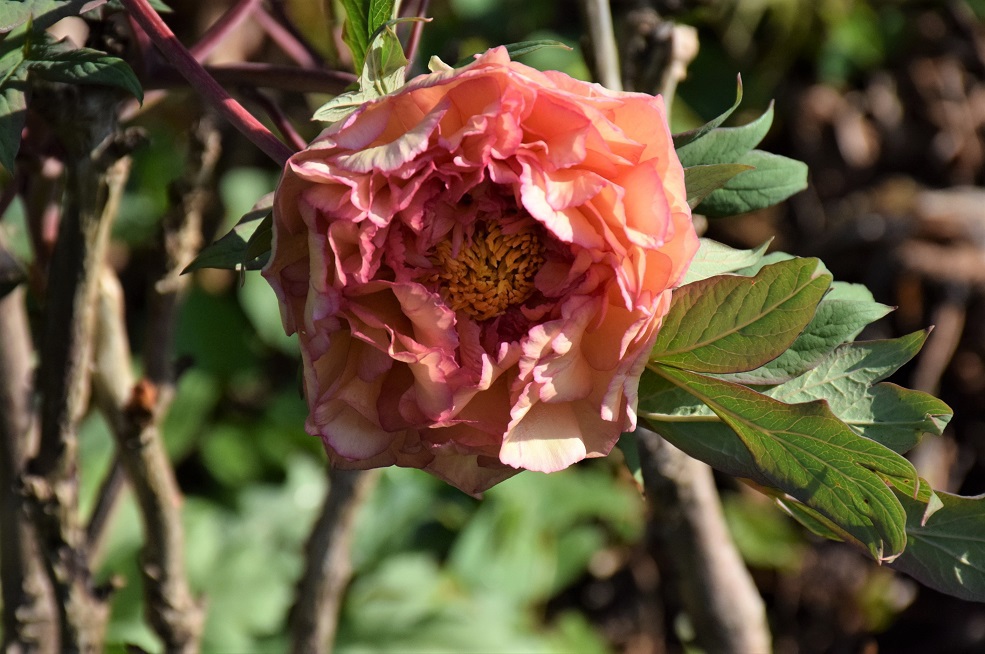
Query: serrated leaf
<point x="702" y="181"/>
<point x="13" y="113"/>
<point x="729" y="324"/>
<point x="726" y="144"/>
<point x="682" y="139"/>
<point x="947" y="551"/>
<point x="232" y="251"/>
<point x="805" y="451"/>
<point x="774" y="179"/>
<point x="894" y="416"/>
<point x="86" y="66"/>
<point x="840" y="317"/>
<point x="714" y="258"/>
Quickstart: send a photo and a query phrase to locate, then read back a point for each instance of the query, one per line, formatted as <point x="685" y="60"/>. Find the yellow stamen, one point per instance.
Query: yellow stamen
<point x="491" y="272"/>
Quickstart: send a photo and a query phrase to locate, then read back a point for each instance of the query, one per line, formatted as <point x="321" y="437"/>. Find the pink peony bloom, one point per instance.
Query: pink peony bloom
<point x="477" y="266"/>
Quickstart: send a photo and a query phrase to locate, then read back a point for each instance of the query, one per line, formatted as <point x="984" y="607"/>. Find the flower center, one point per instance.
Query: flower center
<point x="490" y="273"/>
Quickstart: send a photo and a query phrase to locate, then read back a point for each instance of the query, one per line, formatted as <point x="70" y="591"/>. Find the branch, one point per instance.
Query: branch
<point x="84" y="115"/>
<point x="694" y="550"/>
<point x="133" y="411"/>
<point x="605" y="55"/>
<point x="328" y="568"/>
<point x="29" y="621"/>
<point x="205" y="84"/>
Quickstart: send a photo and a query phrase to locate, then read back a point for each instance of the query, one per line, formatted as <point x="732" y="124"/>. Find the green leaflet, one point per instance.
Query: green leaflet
<point x="84" y="66"/>
<point x="362" y="19"/>
<point x="774" y="179"/>
<point x="684" y="138"/>
<point x="730" y="323"/>
<point x="894" y="416"/>
<point x="246" y="246"/>
<point x="713" y="258"/>
<point x="840" y="317"/>
<point x="703" y="180"/>
<point x="805" y="451"/>
<point x="946" y="550"/>
<point x="726" y="144"/>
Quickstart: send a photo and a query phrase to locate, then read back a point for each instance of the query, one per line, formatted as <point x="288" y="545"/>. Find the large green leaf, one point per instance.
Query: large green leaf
<point x="713" y="258"/>
<point x="729" y="323"/>
<point x="84" y="66"/>
<point x="684" y="138"/>
<point x="42" y="13"/>
<point x="839" y="318"/>
<point x="946" y="551"/>
<point x="726" y="144"/>
<point x="805" y="451"/>
<point x="774" y="179"/>
<point x="894" y="416"/>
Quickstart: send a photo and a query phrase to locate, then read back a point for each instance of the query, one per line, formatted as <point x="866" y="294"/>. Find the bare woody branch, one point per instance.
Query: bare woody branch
<point x="328" y="567"/>
<point x="29" y="623"/>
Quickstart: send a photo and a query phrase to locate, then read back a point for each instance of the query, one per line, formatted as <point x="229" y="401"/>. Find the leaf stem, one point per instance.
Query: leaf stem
<point x="199" y="78"/>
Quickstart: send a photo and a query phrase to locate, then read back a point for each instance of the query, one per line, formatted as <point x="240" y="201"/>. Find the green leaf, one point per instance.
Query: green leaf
<point x="362" y="19"/>
<point x="85" y="66"/>
<point x="893" y="416"/>
<point x="726" y="144"/>
<point x="384" y="71"/>
<point x="156" y="5"/>
<point x="729" y="324"/>
<point x="520" y="49"/>
<point x="682" y="139"/>
<point x="812" y="520"/>
<point x="713" y="258"/>
<point x="43" y="13"/>
<point x="946" y="551"/>
<point x="840" y="317"/>
<point x="774" y="179"/>
<point x="13" y="113"/>
<point x="702" y="181"/>
<point x="804" y="450"/>
<point x="233" y="251"/>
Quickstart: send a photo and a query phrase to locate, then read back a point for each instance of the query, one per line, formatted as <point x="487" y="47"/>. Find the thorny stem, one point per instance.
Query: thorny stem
<point x="328" y="568"/>
<point x="205" y="84"/>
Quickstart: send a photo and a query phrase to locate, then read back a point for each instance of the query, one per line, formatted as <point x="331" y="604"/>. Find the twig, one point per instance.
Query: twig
<point x="133" y="413"/>
<point x="328" y="567"/>
<point x="287" y="40"/>
<point x="605" y="55"/>
<point x="220" y="29"/>
<point x="416" y="30"/>
<point x="694" y="549"/>
<point x="280" y="14"/>
<point x="29" y="623"/>
<point x="205" y="84"/>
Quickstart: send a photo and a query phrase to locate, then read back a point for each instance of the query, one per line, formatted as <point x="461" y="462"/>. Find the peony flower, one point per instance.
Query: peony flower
<point x="477" y="266"/>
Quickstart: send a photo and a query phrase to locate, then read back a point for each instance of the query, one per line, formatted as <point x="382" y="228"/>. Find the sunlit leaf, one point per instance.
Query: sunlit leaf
<point x="774" y="179"/>
<point x="682" y="139"/>
<point x="808" y="453"/>
<point x="713" y="258"/>
<point x="85" y="66"/>
<point x="730" y="323"/>
<point x="702" y="181"/>
<point x="840" y="317"/>
<point x="726" y="144"/>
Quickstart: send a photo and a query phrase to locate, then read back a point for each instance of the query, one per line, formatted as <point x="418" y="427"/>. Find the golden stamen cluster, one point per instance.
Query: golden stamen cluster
<point x="491" y="272"/>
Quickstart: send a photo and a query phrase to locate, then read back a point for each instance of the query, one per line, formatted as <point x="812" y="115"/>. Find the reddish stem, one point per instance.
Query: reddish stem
<point x="222" y="27"/>
<point x="205" y="84"/>
<point x="285" y="40"/>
